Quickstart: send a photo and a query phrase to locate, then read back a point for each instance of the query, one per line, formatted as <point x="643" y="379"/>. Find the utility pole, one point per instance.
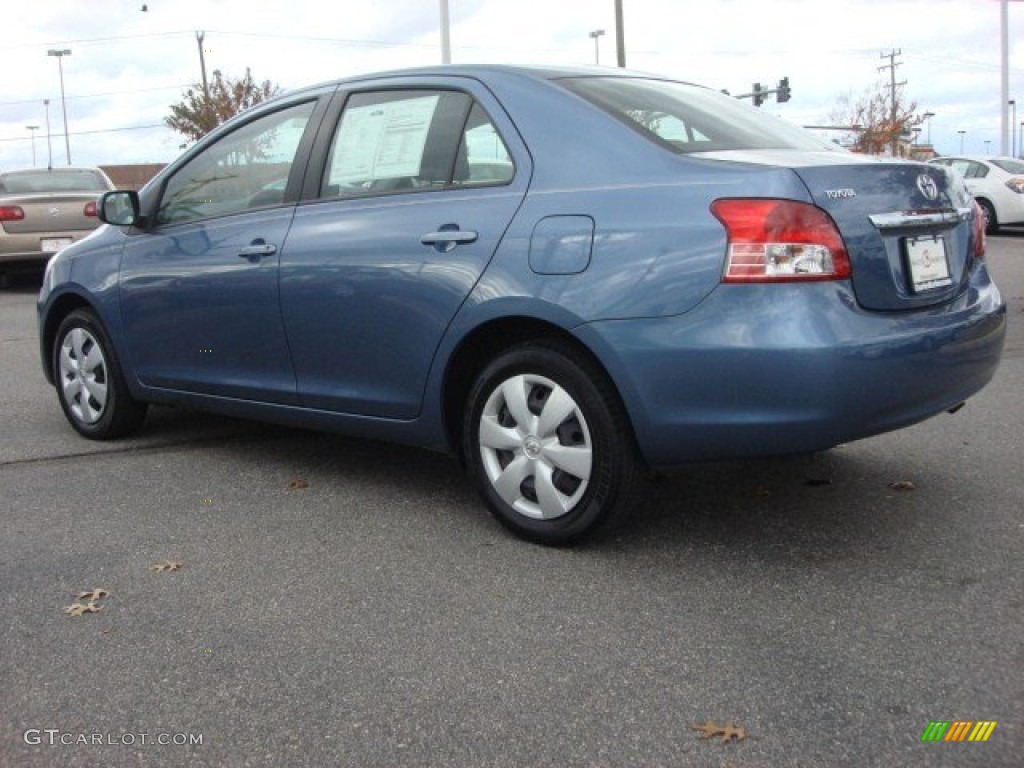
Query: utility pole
<point x="1005" y="75"/>
<point x="893" y="85"/>
<point x="620" y="34"/>
<point x="446" y="42"/>
<point x="202" y="61"/>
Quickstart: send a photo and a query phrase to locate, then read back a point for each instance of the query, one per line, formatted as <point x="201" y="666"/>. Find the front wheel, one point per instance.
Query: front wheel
<point x="549" y="444"/>
<point x="90" y="386"/>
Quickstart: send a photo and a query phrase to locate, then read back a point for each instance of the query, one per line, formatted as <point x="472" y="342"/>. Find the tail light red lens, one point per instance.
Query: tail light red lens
<point x="780" y="241"/>
<point x="90" y="208"/>
<point x="11" y="213"/>
<point x="979" y="232"/>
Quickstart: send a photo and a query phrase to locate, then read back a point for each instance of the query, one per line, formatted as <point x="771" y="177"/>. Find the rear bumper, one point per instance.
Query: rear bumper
<point x="775" y="369"/>
<point x="27" y="248"/>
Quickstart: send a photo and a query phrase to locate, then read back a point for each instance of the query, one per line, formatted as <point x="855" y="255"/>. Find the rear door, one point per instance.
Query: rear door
<point x="418" y="183"/>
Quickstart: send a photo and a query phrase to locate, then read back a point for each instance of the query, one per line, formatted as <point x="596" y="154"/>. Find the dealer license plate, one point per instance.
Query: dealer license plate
<point x="929" y="267"/>
<point x="54" y="244"/>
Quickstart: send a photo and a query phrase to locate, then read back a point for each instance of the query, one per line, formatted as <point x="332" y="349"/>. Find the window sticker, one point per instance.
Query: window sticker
<point x="383" y="141"/>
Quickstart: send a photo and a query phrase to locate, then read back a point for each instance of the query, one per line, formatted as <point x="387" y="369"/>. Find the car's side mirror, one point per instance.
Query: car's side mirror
<point x="120" y="208"/>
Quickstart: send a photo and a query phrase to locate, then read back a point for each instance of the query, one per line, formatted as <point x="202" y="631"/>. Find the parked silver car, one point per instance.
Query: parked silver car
<point x="44" y="209"/>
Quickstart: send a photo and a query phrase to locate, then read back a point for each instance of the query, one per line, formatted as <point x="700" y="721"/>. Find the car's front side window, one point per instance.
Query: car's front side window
<point x="246" y="169"/>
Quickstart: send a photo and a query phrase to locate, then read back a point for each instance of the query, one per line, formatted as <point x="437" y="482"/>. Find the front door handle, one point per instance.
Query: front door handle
<point x="445" y="239"/>
<point x="257" y="249"/>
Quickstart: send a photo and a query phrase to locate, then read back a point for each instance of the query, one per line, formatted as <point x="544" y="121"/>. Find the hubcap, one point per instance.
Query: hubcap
<point x="536" y="446"/>
<point x="83" y="376"/>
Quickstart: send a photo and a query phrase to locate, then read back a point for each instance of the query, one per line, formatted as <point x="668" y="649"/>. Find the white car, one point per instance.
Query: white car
<point x="997" y="183"/>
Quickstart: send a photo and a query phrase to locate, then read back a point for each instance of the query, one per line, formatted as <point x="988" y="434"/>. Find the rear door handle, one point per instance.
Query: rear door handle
<point x="256" y="250"/>
<point x="445" y="240"/>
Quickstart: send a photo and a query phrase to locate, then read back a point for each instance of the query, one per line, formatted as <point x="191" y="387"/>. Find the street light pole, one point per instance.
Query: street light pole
<point x="60" y="54"/>
<point x="33" y="129"/>
<point x="596" y="35"/>
<point x="961" y="141"/>
<point x="1013" y="137"/>
<point x="49" y="143"/>
<point x="928" y="119"/>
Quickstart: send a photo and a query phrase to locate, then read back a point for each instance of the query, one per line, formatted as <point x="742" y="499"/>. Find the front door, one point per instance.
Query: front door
<point x="199" y="288"/>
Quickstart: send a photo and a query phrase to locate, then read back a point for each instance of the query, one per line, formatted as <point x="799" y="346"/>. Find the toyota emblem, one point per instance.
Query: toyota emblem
<point x="928" y="186"/>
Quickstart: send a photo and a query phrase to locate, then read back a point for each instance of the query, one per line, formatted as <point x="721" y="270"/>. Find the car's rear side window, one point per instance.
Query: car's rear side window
<point x="411" y="141"/>
<point x="688" y="118"/>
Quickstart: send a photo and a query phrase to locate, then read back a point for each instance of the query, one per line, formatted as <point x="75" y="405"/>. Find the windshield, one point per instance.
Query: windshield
<point x="688" y="118"/>
<point x="56" y="180"/>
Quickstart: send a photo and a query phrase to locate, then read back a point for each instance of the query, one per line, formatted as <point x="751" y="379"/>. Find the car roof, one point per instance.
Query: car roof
<point x="538" y="72"/>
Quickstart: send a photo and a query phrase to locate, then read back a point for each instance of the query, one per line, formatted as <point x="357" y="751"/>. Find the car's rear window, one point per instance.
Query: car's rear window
<point x="56" y="180"/>
<point x="1010" y="166"/>
<point x="688" y="118"/>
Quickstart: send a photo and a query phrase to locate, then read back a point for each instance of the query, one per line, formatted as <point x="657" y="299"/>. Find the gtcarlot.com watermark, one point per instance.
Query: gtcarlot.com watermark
<point x="54" y="737"/>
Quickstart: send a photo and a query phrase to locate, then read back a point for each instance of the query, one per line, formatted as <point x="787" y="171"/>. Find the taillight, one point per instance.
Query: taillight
<point x="90" y="208"/>
<point x="979" y="232"/>
<point x="780" y="241"/>
<point x="11" y="213"/>
<point x="1017" y="185"/>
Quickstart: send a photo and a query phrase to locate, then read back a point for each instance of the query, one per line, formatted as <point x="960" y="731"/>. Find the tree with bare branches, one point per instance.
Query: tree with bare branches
<point x="877" y="119"/>
<point x="199" y="112"/>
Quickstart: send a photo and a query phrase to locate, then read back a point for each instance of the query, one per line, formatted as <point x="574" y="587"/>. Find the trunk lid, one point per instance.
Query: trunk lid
<point x="51" y="213"/>
<point x="908" y="227"/>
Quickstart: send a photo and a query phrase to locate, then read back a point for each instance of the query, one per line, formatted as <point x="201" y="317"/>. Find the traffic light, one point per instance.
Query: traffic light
<point x="758" y="96"/>
<point x="782" y="94"/>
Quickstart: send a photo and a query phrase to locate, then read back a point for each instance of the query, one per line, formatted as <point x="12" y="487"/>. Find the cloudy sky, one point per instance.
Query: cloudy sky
<point x="127" y="65"/>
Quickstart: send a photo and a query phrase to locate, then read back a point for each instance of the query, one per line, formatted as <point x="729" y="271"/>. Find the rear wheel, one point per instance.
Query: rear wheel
<point x="549" y="445"/>
<point x="90" y="386"/>
<point x="989" y="212"/>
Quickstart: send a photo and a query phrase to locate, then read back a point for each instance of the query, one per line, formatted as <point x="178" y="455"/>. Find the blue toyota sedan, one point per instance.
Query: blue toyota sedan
<point x="561" y="276"/>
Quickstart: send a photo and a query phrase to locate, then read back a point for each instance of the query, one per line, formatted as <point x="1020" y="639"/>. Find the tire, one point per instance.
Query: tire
<point x="90" y="386"/>
<point x="549" y="445"/>
<point x="989" y="212"/>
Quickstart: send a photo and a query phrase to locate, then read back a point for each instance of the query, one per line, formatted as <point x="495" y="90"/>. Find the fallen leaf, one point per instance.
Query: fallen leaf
<point x="298" y="483"/>
<point x="79" y="608"/>
<point x="166" y="565"/>
<point x="903" y="485"/>
<point x="727" y="732"/>
<point x="93" y="594"/>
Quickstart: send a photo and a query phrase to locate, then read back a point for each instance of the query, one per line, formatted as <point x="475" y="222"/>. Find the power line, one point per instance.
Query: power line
<point x="99" y="95"/>
<point x="99" y="130"/>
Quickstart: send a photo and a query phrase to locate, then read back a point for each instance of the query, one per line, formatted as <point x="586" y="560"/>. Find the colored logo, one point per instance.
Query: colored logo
<point x="958" y="730"/>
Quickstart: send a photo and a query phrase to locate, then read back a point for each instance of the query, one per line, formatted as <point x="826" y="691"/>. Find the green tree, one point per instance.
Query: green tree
<point x="200" y="112"/>
<point x="877" y="118"/>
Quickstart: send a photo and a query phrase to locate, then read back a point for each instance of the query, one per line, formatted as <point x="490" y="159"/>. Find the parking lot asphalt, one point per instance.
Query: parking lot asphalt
<point x="350" y="603"/>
